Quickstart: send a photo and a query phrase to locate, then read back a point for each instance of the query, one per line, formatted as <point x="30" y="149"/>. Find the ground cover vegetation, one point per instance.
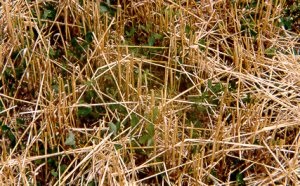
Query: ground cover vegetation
<point x="164" y="92"/>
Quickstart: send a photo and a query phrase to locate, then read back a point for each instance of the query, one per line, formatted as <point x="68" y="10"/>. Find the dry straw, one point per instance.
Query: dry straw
<point x="148" y="92"/>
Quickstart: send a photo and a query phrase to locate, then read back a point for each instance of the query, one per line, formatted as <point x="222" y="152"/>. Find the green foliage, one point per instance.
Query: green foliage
<point x="54" y="53"/>
<point x="202" y="44"/>
<point x="90" y="96"/>
<point x="107" y="9"/>
<point x="147" y="136"/>
<point x="150" y="129"/>
<point x="195" y="148"/>
<point x="291" y="16"/>
<point x="286" y="22"/>
<point x="84" y="111"/>
<point x="119" y="108"/>
<point x="143" y="34"/>
<point x="247" y="99"/>
<point x="188" y="29"/>
<point x="155" y="114"/>
<point x="103" y="7"/>
<point x="92" y="183"/>
<point x="49" y="12"/>
<point x="55" y="87"/>
<point x="19" y="66"/>
<point x="20" y="121"/>
<point x="62" y="168"/>
<point x="153" y="38"/>
<point x="213" y="172"/>
<point x="131" y="32"/>
<point x="118" y="146"/>
<point x="146" y="140"/>
<point x="20" y="70"/>
<point x="78" y="49"/>
<point x="7" y="132"/>
<point x="238" y="177"/>
<point x="248" y="26"/>
<point x="211" y="95"/>
<point x="9" y="80"/>
<point x="134" y="120"/>
<point x="54" y="173"/>
<point x="232" y="86"/>
<point x="89" y="37"/>
<point x="113" y="128"/>
<point x="216" y="88"/>
<point x="70" y="139"/>
<point x="16" y="54"/>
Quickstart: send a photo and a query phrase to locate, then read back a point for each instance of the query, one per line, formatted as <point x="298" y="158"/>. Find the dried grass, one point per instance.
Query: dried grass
<point x="246" y="133"/>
